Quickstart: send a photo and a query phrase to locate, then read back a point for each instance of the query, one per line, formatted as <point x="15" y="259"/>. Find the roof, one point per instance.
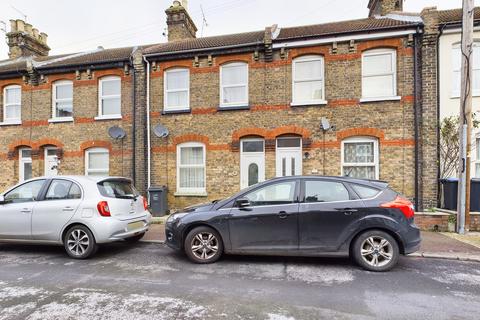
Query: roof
<point x="208" y="42"/>
<point x="455" y="15"/>
<point x="341" y="27"/>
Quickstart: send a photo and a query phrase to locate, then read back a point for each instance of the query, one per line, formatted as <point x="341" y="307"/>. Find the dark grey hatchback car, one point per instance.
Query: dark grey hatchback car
<point x="301" y="216"/>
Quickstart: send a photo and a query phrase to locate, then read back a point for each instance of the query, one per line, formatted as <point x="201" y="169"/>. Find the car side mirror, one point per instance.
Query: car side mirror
<point x="242" y="203"/>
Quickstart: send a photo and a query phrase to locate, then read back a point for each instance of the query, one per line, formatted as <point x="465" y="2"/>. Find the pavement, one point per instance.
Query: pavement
<point x="434" y="244"/>
<point x="149" y="281"/>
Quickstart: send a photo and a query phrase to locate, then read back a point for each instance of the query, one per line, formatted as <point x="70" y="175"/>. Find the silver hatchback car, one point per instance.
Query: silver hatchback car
<point x="77" y="212"/>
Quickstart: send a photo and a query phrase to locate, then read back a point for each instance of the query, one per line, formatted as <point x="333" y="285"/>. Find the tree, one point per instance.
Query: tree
<point x="450" y="145"/>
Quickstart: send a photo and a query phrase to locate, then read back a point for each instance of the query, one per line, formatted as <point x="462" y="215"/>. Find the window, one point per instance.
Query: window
<point x="96" y="162"/>
<point x="477" y="160"/>
<point x="379" y="74"/>
<point x="63" y="190"/>
<point x="365" y="192"/>
<point x="27" y="192"/>
<point x="274" y="194"/>
<point x="110" y="97"/>
<point x="62" y="100"/>
<point x="360" y="158"/>
<point x="25" y="164"/>
<point x="120" y="189"/>
<point x="177" y="90"/>
<point x="325" y="191"/>
<point x="308" y="83"/>
<point x="457" y="66"/>
<point x="12" y="104"/>
<point x="234" y="85"/>
<point x="191" y="168"/>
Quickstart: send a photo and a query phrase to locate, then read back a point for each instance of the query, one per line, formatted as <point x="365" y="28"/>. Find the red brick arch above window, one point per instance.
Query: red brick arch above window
<point x="96" y="144"/>
<point x="238" y="134"/>
<point x="280" y="131"/>
<point x="191" y="138"/>
<point x="355" y="132"/>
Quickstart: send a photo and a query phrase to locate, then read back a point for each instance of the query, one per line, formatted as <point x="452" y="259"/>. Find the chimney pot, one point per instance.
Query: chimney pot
<point x="20" y="25"/>
<point x="36" y="33"/>
<point x="28" y="29"/>
<point x="180" y="24"/>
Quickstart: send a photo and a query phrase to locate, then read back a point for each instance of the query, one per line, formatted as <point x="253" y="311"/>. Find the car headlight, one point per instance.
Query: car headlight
<point x="174" y="217"/>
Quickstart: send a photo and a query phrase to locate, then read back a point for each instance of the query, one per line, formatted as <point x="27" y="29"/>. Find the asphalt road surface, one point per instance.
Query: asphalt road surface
<point x="149" y="281"/>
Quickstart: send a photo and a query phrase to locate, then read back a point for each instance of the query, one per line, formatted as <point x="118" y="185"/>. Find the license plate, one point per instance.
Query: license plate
<point x="135" y="225"/>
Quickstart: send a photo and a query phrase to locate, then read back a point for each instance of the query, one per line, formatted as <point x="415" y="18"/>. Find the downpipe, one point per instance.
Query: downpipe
<point x="148" y="125"/>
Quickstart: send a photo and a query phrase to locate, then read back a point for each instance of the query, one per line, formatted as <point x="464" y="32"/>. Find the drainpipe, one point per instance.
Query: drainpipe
<point x="148" y="125"/>
<point x="438" y="112"/>
<point x="417" y="105"/>
<point x="134" y="117"/>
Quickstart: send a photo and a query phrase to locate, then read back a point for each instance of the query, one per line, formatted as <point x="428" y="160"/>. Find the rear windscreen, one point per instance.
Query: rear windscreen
<point x="117" y="189"/>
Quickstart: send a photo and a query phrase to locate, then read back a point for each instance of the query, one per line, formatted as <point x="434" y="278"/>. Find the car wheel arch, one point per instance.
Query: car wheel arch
<point x="392" y="233"/>
<point x="196" y="225"/>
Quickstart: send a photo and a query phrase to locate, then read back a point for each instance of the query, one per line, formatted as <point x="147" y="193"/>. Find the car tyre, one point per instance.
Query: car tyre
<point x="375" y="250"/>
<point x="136" y="238"/>
<point x="79" y="242"/>
<point x="203" y="245"/>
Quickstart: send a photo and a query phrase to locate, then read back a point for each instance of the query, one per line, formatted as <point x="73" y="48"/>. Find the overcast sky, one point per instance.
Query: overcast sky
<point x="79" y="25"/>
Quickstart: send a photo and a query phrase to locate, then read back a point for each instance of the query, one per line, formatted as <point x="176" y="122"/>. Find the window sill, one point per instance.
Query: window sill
<point x="233" y="108"/>
<point x="176" y="111"/>
<point x="112" y="117"/>
<point x="10" y="123"/>
<point x="307" y="104"/>
<point x="395" y="98"/>
<point x="190" y="194"/>
<point x="58" y="120"/>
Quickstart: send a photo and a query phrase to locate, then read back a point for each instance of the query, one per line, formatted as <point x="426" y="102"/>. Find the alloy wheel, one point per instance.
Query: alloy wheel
<point x="204" y="245"/>
<point x="376" y="251"/>
<point x="78" y="242"/>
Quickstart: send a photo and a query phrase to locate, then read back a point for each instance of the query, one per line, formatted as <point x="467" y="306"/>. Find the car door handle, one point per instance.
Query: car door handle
<point x="26" y="210"/>
<point x="67" y="209"/>
<point x="282" y="214"/>
<point x="347" y="211"/>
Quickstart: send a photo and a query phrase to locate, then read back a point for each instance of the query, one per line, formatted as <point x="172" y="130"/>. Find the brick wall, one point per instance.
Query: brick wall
<point x="438" y="221"/>
<point x="271" y="115"/>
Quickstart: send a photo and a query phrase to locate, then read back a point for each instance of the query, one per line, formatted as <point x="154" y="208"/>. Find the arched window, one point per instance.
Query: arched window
<point x="308" y="80"/>
<point x="176" y="89"/>
<point x="379" y="74"/>
<point x="12" y="104"/>
<point x="97" y="162"/>
<point x="109" y="97"/>
<point x="62" y="100"/>
<point x="191" y="168"/>
<point x="360" y="157"/>
<point x="234" y="85"/>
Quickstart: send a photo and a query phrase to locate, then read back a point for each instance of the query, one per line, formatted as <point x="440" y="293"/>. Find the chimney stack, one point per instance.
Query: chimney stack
<point x="25" y="41"/>
<point x="180" y="25"/>
<point x="384" y="7"/>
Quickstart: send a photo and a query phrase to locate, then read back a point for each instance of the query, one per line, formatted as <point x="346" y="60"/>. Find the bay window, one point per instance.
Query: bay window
<point x="12" y="104"/>
<point x="379" y="74"/>
<point x="308" y="80"/>
<point x="191" y="168"/>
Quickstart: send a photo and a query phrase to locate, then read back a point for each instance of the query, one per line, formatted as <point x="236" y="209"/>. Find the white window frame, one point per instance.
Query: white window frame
<point x="236" y="103"/>
<point x="102" y="97"/>
<point x="365" y="74"/>
<point x="22" y="161"/>
<point x="308" y="58"/>
<point x="55" y="100"/>
<point x="87" y="158"/>
<point x="5" y="105"/>
<point x="375" y="162"/>
<point x="456" y="54"/>
<point x="166" y="91"/>
<point x="191" y="191"/>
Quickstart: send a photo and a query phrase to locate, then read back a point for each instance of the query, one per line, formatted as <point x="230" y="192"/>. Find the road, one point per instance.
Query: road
<point x="149" y="281"/>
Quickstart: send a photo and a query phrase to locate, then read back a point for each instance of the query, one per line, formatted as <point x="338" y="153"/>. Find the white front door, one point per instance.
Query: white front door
<point x="51" y="162"/>
<point x="252" y="162"/>
<point x="289" y="156"/>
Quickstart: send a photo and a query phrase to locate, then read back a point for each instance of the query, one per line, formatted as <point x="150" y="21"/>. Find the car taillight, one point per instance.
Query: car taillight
<point x="402" y="204"/>
<point x="103" y="209"/>
<point x="145" y="203"/>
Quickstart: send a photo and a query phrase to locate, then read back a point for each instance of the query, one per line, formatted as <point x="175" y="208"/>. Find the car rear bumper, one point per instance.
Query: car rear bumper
<point x="111" y="229"/>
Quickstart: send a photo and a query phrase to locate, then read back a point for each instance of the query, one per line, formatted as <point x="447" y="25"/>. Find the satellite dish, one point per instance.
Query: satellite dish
<point x="116" y="132"/>
<point x="160" y="131"/>
<point x="325" y="125"/>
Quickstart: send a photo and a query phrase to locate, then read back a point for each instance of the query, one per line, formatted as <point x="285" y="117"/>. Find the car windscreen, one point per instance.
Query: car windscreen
<point x="120" y="189"/>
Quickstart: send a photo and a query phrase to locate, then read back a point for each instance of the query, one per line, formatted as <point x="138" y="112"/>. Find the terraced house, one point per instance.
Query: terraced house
<point x="350" y="98"/>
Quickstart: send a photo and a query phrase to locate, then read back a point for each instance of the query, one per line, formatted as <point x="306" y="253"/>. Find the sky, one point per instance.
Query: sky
<point x="75" y="26"/>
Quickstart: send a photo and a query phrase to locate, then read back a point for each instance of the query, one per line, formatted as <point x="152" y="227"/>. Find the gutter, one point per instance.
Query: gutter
<point x="149" y="151"/>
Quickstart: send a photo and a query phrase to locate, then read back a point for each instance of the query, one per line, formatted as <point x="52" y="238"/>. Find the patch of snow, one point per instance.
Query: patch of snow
<point x="319" y="274"/>
<point x="274" y="316"/>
